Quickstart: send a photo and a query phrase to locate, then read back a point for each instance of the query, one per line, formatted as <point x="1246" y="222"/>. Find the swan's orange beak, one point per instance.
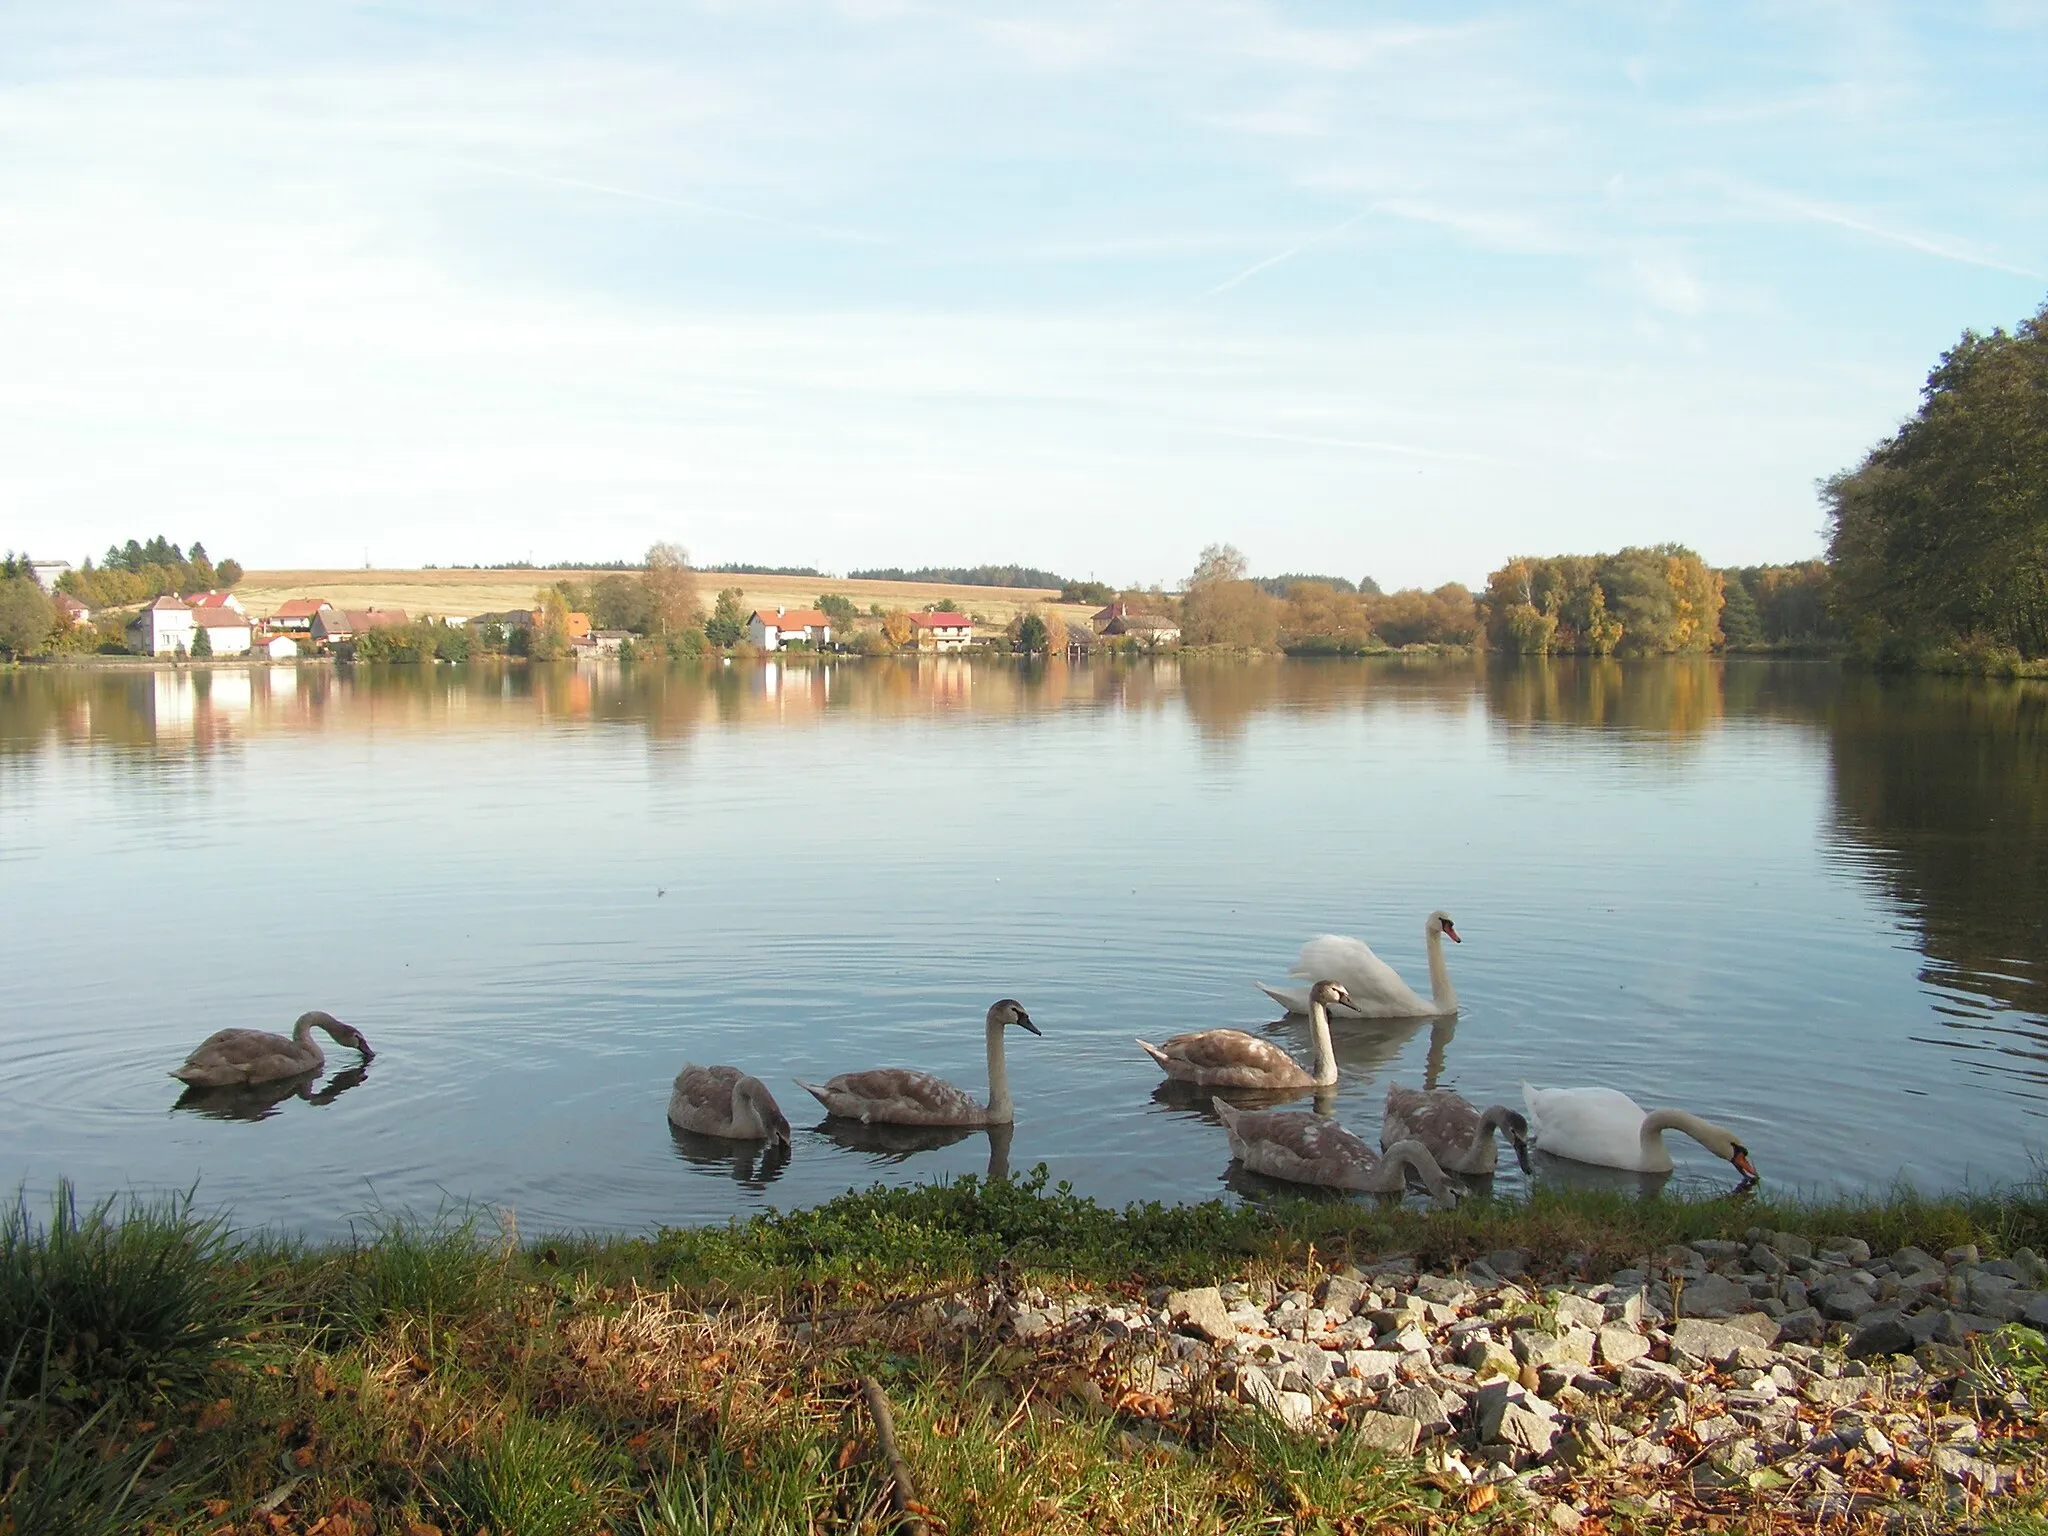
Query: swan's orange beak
<point x="1452" y="934"/>
<point x="1742" y="1163"/>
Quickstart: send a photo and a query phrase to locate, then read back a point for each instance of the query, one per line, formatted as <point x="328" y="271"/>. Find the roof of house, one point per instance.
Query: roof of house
<point x="219" y="618"/>
<point x="791" y="618"/>
<point x="166" y="604"/>
<point x="941" y="620"/>
<point x="302" y="608"/>
<point x="207" y="599"/>
<point x="360" y="619"/>
<point x="66" y="603"/>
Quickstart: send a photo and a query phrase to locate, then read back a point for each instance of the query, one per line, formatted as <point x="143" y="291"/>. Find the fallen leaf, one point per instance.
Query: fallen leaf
<point x="214" y="1414"/>
<point x="1479" y="1498"/>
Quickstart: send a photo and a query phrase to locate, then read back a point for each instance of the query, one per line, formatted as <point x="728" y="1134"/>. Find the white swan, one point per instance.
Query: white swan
<point x="724" y="1101"/>
<point x="901" y="1096"/>
<point x="1606" y="1127"/>
<point x="1377" y="991"/>
<point x="231" y="1056"/>
<point x="1304" y="1148"/>
<point x="1458" y="1134"/>
<point x="1230" y="1058"/>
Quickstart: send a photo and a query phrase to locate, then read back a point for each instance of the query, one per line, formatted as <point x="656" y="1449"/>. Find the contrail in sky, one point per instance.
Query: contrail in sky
<point x="1287" y="255"/>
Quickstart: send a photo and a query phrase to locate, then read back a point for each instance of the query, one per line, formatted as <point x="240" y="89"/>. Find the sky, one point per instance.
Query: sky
<point x="1362" y="289"/>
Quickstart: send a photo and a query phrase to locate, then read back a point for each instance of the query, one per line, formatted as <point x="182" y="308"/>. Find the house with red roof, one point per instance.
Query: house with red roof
<point x="227" y="632"/>
<point x="941" y="631"/>
<point x="163" y="628"/>
<point x="789" y="626"/>
<point x="296" y="617"/>
<point x="200" y="600"/>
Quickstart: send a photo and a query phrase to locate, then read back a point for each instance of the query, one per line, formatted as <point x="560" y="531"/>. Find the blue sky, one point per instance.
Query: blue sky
<point x="1360" y="289"/>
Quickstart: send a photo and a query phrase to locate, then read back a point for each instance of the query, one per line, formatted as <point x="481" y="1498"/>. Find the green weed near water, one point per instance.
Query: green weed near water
<point x="436" y="1272"/>
<point x="92" y="1301"/>
<point x="535" y="1478"/>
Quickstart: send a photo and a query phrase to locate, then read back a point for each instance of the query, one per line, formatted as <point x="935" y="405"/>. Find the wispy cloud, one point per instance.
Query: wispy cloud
<point x="1943" y="247"/>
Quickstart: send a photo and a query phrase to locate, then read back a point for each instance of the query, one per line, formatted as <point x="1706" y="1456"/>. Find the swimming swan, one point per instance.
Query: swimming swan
<point x="724" y="1101"/>
<point x="1304" y="1148"/>
<point x="900" y="1096"/>
<point x="1230" y="1058"/>
<point x="1377" y="992"/>
<point x="1459" y="1135"/>
<point x="232" y="1056"/>
<point x="1607" y="1127"/>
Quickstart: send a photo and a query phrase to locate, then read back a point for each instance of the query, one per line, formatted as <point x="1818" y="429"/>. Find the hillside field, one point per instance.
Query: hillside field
<point x="441" y="593"/>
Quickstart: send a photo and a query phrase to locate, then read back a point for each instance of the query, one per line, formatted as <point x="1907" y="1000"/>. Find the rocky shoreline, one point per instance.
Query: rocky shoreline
<point x="1773" y="1373"/>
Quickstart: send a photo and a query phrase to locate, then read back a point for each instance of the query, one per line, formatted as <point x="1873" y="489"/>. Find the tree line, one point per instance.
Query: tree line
<point x="137" y="572"/>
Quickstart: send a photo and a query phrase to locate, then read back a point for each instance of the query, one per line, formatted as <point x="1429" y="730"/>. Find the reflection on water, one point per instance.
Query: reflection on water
<point x="1813" y="906"/>
<point x="891" y="1144"/>
<point x="750" y="1164"/>
<point x="259" y="1101"/>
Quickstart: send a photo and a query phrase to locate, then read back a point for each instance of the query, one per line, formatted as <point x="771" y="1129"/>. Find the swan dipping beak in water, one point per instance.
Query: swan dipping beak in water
<point x="231" y="1056"/>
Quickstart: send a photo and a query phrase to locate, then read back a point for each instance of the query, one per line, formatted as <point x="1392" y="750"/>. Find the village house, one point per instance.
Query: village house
<point x="227" y="632"/>
<point x="164" y="628"/>
<point x="941" y="631"/>
<point x="280" y="648"/>
<point x="789" y="626"/>
<point x="296" y="617"/>
<point x="1120" y="619"/>
<point x="227" y="600"/>
<point x="70" y="610"/>
<point x="46" y="572"/>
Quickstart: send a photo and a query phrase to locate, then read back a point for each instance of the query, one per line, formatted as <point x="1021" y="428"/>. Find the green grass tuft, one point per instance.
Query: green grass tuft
<point x="436" y="1271"/>
<point x="533" y="1477"/>
<point x="91" y="1301"/>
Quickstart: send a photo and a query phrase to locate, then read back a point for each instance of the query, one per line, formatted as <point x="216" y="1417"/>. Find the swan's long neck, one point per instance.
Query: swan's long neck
<point x="1657" y="1122"/>
<point x="1406" y="1156"/>
<point x="1489" y="1122"/>
<point x="1000" y="1109"/>
<point x="1326" y="1053"/>
<point x="1441" y="992"/>
<point x="302" y="1037"/>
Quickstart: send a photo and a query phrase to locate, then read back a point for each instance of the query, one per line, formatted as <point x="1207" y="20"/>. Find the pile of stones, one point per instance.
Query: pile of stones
<point x="1814" y="1375"/>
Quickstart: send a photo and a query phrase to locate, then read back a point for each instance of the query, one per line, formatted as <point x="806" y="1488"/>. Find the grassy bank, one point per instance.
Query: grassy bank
<point x="164" y="1375"/>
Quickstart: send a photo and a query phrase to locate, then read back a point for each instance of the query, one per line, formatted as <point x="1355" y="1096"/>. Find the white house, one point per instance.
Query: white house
<point x="164" y="628"/>
<point x="281" y="648"/>
<point x="786" y="626"/>
<point x="941" y="631"/>
<point x="227" y="632"/>
<point x="46" y="572"/>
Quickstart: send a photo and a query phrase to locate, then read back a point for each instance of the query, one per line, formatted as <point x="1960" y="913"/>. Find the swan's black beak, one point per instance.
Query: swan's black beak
<point x="1024" y="1019"/>
<point x="1521" y="1151"/>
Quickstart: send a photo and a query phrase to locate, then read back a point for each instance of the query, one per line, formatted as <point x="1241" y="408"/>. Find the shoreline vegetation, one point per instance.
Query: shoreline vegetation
<point x="1051" y="1366"/>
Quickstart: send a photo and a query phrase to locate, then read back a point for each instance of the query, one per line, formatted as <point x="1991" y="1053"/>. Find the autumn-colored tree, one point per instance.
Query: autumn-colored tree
<point x="1411" y="616"/>
<point x="671" y="590"/>
<point x="896" y="625"/>
<point x="1221" y="607"/>
<point x="549" y="640"/>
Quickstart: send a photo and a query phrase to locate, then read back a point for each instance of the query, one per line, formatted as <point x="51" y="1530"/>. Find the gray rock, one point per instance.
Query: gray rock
<point x="1964" y="1253"/>
<point x="1846" y="1302"/>
<point x="1372" y="1365"/>
<point x="1340" y="1295"/>
<point x="1761" y="1326"/>
<point x="1535" y="1347"/>
<point x="1716" y="1249"/>
<point x="1620" y="1346"/>
<point x="1971" y="1471"/>
<point x="1420" y="1403"/>
<point x="1793" y="1294"/>
<point x="1765" y="1261"/>
<point x="1716" y="1343"/>
<point x="1202" y="1310"/>
<point x="1445" y="1291"/>
<point x="1800" y="1327"/>
<point x="1880" y="1333"/>
<point x="1909" y="1259"/>
<point x="1712" y="1296"/>
<point x="1650" y="1378"/>
<point x="1254" y="1386"/>
<point x="1508" y="1263"/>
<point x="1789" y="1245"/>
<point x="1564" y="1518"/>
<point x="1577" y="1311"/>
<point x="2036" y="1314"/>
<point x="1852" y="1250"/>
<point x="1955" y="1327"/>
<point x="1394" y="1433"/>
<point x="1835" y="1392"/>
<point x="1297" y="1410"/>
<point x="1527" y="1430"/>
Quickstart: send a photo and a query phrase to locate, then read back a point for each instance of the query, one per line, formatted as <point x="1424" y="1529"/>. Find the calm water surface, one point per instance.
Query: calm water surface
<point x="1811" y="906"/>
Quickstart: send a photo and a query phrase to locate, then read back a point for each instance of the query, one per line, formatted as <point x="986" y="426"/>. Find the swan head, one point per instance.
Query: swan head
<point x="1009" y="1011"/>
<point x="1330" y="994"/>
<point x="1440" y="922"/>
<point x="344" y="1034"/>
<point x="1514" y="1125"/>
<point x="1721" y="1141"/>
<point x="756" y="1093"/>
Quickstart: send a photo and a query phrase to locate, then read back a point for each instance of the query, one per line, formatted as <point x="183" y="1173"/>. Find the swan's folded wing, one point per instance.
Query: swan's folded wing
<point x="705" y="1091"/>
<point x="1303" y="1137"/>
<point x="1441" y="1120"/>
<point x="904" y="1095"/>
<point x="1217" y="1049"/>
<point x="1331" y="957"/>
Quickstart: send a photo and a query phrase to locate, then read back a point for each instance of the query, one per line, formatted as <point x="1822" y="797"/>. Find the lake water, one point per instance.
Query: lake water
<point x="1811" y="906"/>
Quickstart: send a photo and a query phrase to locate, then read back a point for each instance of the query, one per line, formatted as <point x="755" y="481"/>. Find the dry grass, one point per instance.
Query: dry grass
<point x="440" y="593"/>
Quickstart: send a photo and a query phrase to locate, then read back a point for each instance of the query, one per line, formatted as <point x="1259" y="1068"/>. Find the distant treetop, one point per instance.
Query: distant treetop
<point x="1277" y="585"/>
<point x="734" y="568"/>
<point x="966" y="576"/>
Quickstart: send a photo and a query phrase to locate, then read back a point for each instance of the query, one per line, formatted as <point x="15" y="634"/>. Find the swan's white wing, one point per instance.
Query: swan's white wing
<point x="1590" y="1125"/>
<point x="1375" y="987"/>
